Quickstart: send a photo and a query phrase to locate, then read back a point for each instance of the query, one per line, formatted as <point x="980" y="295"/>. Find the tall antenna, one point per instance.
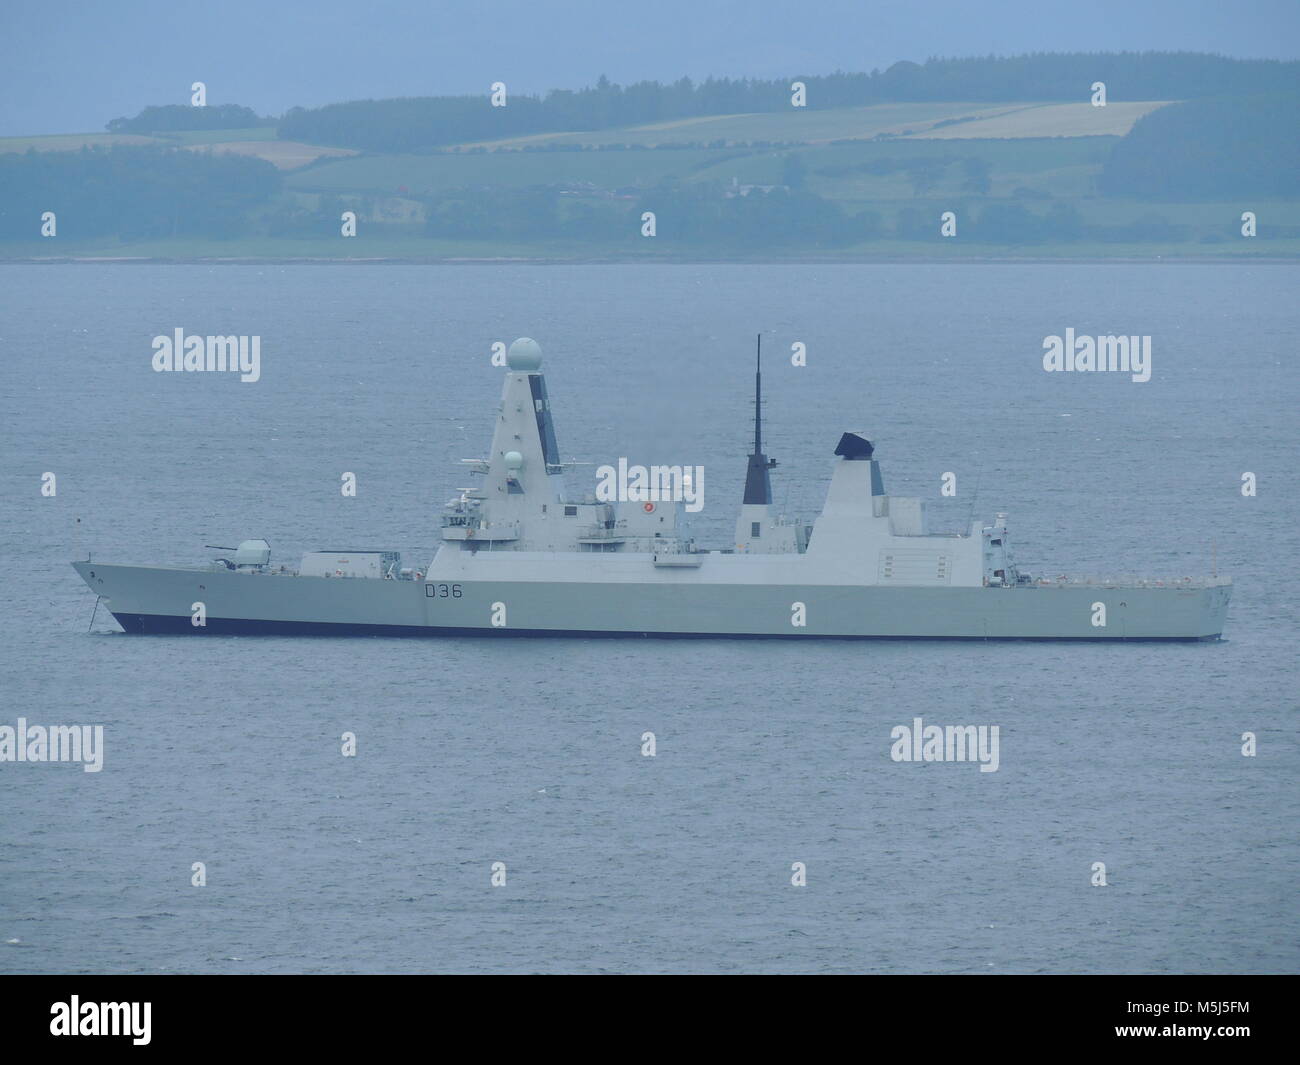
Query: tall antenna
<point x="758" y="482"/>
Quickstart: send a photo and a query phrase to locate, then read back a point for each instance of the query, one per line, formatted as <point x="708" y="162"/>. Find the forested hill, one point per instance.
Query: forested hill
<point x="1210" y="150"/>
<point x="172" y="117"/>
<point x="419" y="122"/>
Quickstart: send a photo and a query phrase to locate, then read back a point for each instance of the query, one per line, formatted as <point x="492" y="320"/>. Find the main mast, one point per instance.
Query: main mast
<point x="758" y="482"/>
<point x="758" y="529"/>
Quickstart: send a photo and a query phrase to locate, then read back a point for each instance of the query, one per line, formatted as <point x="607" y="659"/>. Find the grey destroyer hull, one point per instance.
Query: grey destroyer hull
<point x="162" y="600"/>
<point x="520" y="555"/>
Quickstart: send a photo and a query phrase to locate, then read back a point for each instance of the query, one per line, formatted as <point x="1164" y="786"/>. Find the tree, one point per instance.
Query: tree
<point x="975" y="175"/>
<point x="793" y="171"/>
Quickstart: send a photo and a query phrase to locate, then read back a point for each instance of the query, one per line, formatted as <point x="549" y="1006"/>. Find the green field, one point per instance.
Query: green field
<point x="436" y="173"/>
<point x="71" y="142"/>
<point x="1065" y="164"/>
<point x="220" y="136"/>
<point x="915" y="171"/>
<point x="1034" y="173"/>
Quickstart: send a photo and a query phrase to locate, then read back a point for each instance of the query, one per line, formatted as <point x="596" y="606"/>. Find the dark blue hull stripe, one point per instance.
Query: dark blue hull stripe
<point x="169" y="625"/>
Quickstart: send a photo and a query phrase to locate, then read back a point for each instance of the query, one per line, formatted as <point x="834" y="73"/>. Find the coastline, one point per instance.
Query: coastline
<point x="507" y="260"/>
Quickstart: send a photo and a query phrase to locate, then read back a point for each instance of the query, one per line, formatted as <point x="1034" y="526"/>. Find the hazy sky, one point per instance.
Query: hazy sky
<point x="71" y="65"/>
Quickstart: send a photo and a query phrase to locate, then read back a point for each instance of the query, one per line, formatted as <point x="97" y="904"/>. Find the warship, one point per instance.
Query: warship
<point x="519" y="557"/>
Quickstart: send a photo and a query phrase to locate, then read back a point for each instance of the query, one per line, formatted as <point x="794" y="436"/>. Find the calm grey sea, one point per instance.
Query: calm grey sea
<point x="473" y="751"/>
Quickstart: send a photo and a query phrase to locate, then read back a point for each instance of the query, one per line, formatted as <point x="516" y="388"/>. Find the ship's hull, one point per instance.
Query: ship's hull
<point x="158" y="600"/>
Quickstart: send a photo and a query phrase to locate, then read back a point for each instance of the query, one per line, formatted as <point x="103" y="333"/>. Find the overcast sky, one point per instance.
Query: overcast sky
<point x="71" y="65"/>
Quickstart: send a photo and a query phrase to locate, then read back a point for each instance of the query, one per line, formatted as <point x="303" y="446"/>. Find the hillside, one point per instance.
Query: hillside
<point x="416" y="123"/>
<point x="1168" y="176"/>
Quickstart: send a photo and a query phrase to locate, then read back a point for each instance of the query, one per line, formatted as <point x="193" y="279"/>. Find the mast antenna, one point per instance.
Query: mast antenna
<point x="758" y="483"/>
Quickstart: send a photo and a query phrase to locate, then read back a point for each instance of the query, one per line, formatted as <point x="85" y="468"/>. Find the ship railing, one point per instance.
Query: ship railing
<point x="1129" y="580"/>
<point x="475" y="529"/>
<point x="600" y="532"/>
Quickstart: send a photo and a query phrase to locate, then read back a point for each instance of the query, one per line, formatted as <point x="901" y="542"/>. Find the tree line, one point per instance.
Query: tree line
<point x="415" y="123"/>
<point x="1216" y="149"/>
<point x="133" y="192"/>
<point x="175" y="118"/>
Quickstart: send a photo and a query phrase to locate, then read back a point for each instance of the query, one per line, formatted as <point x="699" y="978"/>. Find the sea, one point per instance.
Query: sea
<point x="503" y="810"/>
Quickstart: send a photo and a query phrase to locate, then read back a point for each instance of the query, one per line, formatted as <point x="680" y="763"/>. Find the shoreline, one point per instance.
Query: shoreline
<point x="507" y="260"/>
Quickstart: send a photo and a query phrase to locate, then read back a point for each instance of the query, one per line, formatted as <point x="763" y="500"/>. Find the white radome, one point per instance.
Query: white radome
<point x="514" y="461"/>
<point x="525" y="355"/>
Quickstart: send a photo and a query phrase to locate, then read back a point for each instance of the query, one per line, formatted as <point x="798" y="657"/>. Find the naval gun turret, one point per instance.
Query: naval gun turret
<point x="250" y="555"/>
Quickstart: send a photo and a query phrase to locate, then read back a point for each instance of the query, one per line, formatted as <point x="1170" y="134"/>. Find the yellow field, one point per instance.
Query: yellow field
<point x="1047" y="120"/>
<point x="286" y="155"/>
<point x="909" y="121"/>
<point x="796" y="125"/>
